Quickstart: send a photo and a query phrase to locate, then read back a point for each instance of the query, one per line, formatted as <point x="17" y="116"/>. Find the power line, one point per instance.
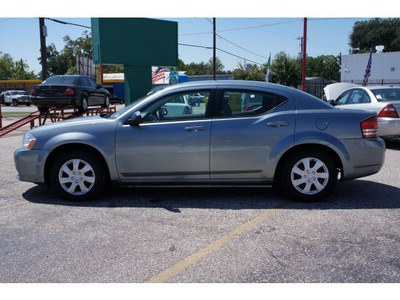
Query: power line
<point x="243" y="28"/>
<point x="67" y="23"/>
<point x="219" y="49"/>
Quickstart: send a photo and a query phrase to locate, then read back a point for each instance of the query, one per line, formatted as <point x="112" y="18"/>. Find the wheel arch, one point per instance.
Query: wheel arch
<point x="68" y="147"/>
<point x="332" y="153"/>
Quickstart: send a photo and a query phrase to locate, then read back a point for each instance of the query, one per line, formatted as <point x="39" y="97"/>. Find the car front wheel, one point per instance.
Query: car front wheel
<point x="84" y="105"/>
<point x="78" y="175"/>
<point x="309" y="175"/>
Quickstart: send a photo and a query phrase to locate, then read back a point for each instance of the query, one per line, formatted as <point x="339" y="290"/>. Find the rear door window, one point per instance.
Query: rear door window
<point x="242" y="103"/>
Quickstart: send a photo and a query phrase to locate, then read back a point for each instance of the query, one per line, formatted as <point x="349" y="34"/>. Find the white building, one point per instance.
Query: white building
<point x="385" y="68"/>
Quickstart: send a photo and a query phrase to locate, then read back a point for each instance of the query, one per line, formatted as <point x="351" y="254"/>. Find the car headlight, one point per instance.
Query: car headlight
<point x="28" y="141"/>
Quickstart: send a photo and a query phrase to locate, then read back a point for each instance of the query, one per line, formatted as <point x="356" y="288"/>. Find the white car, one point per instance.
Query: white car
<point x="383" y="100"/>
<point x="17" y="97"/>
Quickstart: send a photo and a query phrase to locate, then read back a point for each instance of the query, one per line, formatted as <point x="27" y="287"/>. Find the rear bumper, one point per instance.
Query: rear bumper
<point x="389" y="127"/>
<point x="55" y="102"/>
<point x="367" y="157"/>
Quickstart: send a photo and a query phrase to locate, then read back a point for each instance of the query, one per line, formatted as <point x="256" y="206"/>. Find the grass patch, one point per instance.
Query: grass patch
<point x="8" y="113"/>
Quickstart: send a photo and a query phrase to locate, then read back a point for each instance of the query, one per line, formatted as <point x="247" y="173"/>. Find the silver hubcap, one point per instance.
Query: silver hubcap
<point x="107" y="101"/>
<point x="76" y="177"/>
<point x="309" y="176"/>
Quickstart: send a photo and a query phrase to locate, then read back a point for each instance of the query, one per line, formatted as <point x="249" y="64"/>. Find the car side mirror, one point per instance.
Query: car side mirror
<point x="99" y="86"/>
<point x="135" y="119"/>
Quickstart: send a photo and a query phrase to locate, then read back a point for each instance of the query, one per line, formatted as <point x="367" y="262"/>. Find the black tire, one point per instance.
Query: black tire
<point x="308" y="175"/>
<point x="15" y="102"/>
<point x="106" y="102"/>
<point x="84" y="105"/>
<point x="78" y="175"/>
<point x="43" y="109"/>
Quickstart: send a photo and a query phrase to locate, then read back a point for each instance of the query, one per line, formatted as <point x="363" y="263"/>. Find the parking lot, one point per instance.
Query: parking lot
<point x="179" y="235"/>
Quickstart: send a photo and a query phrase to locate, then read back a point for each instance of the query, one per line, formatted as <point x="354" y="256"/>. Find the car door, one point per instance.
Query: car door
<point x="357" y="99"/>
<point x="250" y="127"/>
<point x="97" y="93"/>
<point x="167" y="145"/>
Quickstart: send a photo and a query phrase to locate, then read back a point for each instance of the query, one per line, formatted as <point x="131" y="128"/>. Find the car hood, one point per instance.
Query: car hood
<point x="78" y="124"/>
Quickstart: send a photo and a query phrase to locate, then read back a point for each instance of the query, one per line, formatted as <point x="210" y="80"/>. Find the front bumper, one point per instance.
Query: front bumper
<point x="29" y="165"/>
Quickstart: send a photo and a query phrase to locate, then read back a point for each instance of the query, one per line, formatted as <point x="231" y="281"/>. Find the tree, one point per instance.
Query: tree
<point x="325" y="66"/>
<point x="14" y="70"/>
<point x="375" y="32"/>
<point x="201" y="68"/>
<point x="64" y="62"/>
<point x="248" y="72"/>
<point x="285" y="70"/>
<point x="57" y="63"/>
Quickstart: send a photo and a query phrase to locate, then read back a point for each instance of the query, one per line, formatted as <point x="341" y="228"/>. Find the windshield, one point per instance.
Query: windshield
<point x="125" y="109"/>
<point x="61" y="80"/>
<point x="387" y="94"/>
<point x="19" y="93"/>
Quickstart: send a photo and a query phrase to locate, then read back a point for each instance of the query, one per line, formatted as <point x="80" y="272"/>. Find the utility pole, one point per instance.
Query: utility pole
<point x="43" y="34"/>
<point x="303" y="71"/>
<point x="214" y="50"/>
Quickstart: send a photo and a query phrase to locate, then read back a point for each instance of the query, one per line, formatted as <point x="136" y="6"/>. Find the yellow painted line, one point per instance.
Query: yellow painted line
<point x="15" y="204"/>
<point x="187" y="262"/>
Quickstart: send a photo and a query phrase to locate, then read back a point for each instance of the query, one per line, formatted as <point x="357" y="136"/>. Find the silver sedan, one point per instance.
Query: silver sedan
<point x="384" y="101"/>
<point x="284" y="137"/>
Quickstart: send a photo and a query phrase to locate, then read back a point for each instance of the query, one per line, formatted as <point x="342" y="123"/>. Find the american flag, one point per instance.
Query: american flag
<point x="368" y="69"/>
<point x="157" y="75"/>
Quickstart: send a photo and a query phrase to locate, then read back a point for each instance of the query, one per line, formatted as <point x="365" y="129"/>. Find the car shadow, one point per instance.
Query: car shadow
<point x="354" y="194"/>
<point x="392" y="144"/>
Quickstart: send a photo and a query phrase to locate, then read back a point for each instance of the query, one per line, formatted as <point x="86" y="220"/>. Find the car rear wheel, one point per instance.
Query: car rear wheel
<point x="78" y="175"/>
<point x="106" y="102"/>
<point x="309" y="175"/>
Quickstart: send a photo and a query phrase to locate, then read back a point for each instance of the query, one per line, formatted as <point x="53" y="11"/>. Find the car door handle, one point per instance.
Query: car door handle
<point x="277" y="124"/>
<point x="195" y="128"/>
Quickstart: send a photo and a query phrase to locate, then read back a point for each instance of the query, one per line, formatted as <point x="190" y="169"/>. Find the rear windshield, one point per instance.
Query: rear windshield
<point x="387" y="94"/>
<point x="61" y="80"/>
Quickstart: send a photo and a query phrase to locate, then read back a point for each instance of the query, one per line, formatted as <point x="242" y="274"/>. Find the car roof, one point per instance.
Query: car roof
<point x="232" y="83"/>
<point x="376" y="87"/>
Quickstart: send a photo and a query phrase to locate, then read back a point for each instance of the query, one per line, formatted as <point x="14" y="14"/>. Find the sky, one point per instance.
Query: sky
<point x="250" y="32"/>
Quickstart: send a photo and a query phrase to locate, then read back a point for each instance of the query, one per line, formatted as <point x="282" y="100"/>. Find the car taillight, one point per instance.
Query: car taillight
<point x="388" y="112"/>
<point x="33" y="92"/>
<point x="369" y="128"/>
<point x="69" y="91"/>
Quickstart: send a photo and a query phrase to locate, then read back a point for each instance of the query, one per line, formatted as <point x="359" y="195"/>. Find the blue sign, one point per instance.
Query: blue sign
<point x="173" y="77"/>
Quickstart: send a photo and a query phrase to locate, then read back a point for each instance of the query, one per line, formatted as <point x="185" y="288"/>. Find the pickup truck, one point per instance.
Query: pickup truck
<point x="17" y="97"/>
